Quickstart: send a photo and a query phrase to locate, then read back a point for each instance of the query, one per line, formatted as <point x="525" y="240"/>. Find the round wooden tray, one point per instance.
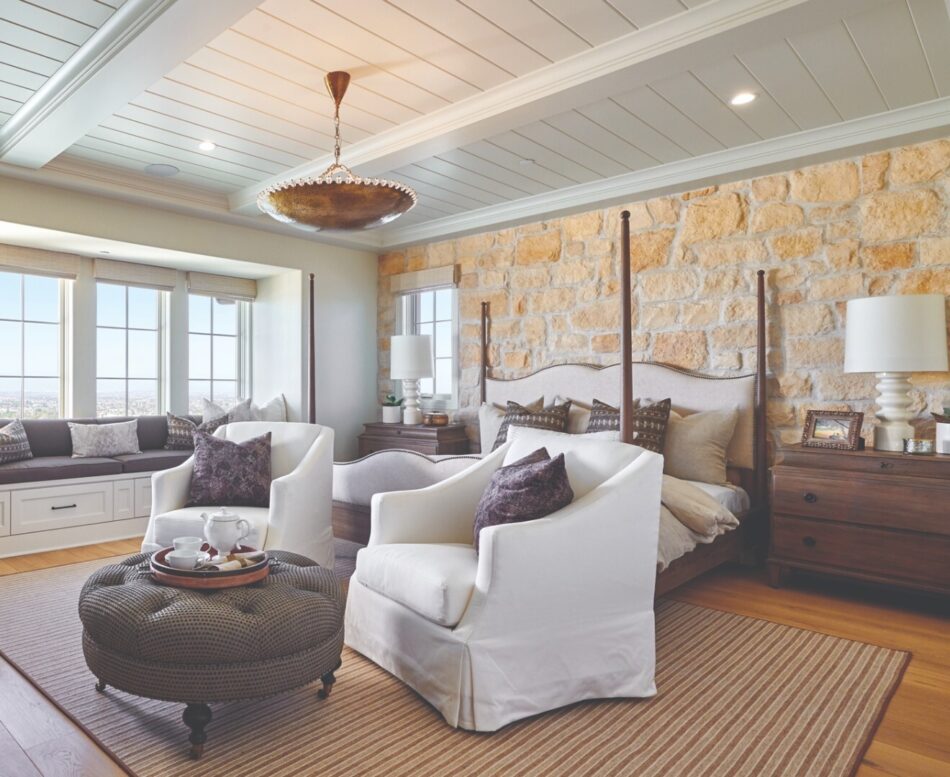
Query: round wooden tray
<point x="208" y="580"/>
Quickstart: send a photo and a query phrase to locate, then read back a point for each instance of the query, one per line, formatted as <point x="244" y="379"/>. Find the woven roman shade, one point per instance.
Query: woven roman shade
<point x="146" y="276"/>
<point x="35" y="261"/>
<point x="222" y="286"/>
<point x="422" y="280"/>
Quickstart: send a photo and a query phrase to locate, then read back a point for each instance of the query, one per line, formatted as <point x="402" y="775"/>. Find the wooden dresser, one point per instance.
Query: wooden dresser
<point x="870" y="515"/>
<point x="432" y="440"/>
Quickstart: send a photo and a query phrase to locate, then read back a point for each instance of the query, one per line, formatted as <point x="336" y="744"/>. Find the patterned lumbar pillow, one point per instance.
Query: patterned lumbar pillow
<point x="529" y="488"/>
<point x="181" y="431"/>
<point x="230" y="473"/>
<point x="649" y="422"/>
<point x="14" y="446"/>
<point x="102" y="440"/>
<point x="552" y="417"/>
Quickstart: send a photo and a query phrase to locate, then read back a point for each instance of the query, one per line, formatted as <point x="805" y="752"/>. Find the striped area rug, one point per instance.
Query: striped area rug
<point x="737" y="696"/>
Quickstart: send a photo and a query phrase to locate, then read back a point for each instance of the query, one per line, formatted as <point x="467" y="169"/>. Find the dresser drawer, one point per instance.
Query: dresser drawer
<point x="896" y="502"/>
<point x="892" y="554"/>
<point x="370" y="445"/>
<point x="58" y="507"/>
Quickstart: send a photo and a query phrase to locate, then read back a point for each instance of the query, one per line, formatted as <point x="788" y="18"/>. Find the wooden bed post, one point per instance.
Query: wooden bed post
<point x="486" y="306"/>
<point x="761" y="448"/>
<point x="311" y="367"/>
<point x="626" y="350"/>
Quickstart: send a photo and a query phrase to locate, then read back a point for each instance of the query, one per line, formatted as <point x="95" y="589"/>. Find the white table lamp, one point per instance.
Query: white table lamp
<point x="893" y="337"/>
<point x="411" y="359"/>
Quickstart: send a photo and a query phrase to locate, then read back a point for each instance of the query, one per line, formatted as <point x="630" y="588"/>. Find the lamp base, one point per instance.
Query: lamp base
<point x="894" y="402"/>
<point x="411" y="414"/>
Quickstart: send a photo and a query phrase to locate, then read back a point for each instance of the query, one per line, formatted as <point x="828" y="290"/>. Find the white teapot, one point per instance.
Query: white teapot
<point x="225" y="530"/>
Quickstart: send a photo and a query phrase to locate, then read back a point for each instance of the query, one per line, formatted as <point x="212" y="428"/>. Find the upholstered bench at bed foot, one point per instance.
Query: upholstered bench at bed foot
<point x="197" y="647"/>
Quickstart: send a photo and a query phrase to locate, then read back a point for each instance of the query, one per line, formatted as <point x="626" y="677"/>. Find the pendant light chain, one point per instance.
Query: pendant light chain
<point x="336" y="133"/>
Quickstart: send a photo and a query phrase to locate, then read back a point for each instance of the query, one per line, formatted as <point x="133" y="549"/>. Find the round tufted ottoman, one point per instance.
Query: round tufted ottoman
<point x="196" y="647"/>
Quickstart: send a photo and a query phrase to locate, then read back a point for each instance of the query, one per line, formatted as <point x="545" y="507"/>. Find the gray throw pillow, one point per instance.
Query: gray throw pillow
<point x="525" y="490"/>
<point x="181" y="431"/>
<point x="14" y="445"/>
<point x="103" y="440"/>
<point x="649" y="422"/>
<point x="552" y="417"/>
<point x="230" y="473"/>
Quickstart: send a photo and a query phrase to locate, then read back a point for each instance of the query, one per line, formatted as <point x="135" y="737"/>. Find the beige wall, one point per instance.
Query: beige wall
<point x="871" y="225"/>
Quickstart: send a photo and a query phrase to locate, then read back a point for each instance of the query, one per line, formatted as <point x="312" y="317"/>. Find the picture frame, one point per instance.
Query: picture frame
<point x="833" y="429"/>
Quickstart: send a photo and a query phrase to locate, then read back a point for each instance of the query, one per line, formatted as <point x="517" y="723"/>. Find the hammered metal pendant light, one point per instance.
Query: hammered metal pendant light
<point x="336" y="199"/>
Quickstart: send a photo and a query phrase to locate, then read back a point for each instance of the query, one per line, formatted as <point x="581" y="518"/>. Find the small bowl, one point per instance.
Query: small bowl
<point x="918" y="446"/>
<point x="435" y="419"/>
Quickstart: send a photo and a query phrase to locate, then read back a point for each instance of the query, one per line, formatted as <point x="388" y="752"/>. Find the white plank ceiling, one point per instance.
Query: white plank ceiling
<point x="256" y="90"/>
<point x="37" y="37"/>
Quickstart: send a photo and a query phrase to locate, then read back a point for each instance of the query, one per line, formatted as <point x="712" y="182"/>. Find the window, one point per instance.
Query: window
<point x="214" y="350"/>
<point x="434" y="313"/>
<point x="30" y="346"/>
<point x="128" y="350"/>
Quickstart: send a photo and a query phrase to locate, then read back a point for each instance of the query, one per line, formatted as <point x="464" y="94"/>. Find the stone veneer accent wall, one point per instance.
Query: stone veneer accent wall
<point x="870" y="225"/>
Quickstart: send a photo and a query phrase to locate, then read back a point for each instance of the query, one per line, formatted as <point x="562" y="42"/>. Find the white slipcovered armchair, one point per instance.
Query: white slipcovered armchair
<point x="299" y="516"/>
<point x="548" y="612"/>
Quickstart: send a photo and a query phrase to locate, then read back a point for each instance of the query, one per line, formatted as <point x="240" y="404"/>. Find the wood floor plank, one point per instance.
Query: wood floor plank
<point x="14" y="762"/>
<point x="26" y="714"/>
<point x="74" y="755"/>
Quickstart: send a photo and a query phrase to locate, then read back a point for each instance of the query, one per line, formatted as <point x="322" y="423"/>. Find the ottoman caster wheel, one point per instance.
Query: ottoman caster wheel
<point x="196" y="717"/>
<point x="101" y="686"/>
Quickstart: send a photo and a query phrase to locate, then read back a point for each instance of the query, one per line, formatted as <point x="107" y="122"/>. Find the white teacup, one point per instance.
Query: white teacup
<point x="183" y="559"/>
<point x="188" y="543"/>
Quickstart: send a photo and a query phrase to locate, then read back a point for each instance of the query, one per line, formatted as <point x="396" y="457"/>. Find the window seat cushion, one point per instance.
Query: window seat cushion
<point x="151" y="461"/>
<point x="57" y="468"/>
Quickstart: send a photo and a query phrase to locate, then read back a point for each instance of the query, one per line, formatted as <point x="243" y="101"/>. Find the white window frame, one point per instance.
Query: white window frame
<point x="23" y="321"/>
<point x="242" y="349"/>
<point x="408" y="323"/>
<point x="160" y="336"/>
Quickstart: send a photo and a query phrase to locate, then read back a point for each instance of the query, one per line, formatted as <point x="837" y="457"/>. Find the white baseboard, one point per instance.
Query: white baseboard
<point x="73" y="537"/>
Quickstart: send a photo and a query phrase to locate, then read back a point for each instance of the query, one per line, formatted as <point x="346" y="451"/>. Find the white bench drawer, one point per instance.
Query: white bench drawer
<point x="58" y="507"/>
<point x="143" y="497"/>
<point x="4" y="513"/>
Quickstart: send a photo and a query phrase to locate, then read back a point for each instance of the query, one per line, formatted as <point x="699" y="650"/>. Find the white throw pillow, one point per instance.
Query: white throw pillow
<point x="577" y="417"/>
<point x="275" y="410"/>
<point x="101" y="440"/>
<point x="590" y="458"/>
<point x="212" y="410"/>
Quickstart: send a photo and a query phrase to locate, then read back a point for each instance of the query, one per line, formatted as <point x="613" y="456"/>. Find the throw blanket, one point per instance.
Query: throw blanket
<point x="688" y="516"/>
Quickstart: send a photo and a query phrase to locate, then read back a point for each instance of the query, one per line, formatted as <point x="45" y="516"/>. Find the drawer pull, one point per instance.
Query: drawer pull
<point x="810" y="497"/>
<point x="62" y="507"/>
<point x="809" y="542"/>
<point x="887" y="464"/>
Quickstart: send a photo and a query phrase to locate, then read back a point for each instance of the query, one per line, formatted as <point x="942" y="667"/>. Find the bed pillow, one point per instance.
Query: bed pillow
<point x="275" y="410"/>
<point x="696" y="445"/>
<point x="552" y="417"/>
<point x="181" y="431"/>
<point x="650" y="421"/>
<point x="579" y="416"/>
<point x="103" y="440"/>
<point x="696" y="509"/>
<point x="14" y="445"/>
<point x="490" y="419"/>
<point x="211" y="411"/>
<point x="528" y="489"/>
<point x="230" y="473"/>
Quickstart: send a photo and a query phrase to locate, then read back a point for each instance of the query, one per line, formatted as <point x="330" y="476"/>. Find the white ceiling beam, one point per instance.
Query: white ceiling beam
<point x="702" y="34"/>
<point x="901" y="126"/>
<point x="137" y="45"/>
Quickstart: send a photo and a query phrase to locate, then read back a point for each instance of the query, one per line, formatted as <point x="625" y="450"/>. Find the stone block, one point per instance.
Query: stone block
<point x="771" y="187"/>
<point x="832" y="182"/>
<point x="582" y="226"/>
<point x="874" y="172"/>
<point x="534" y="330"/>
<point x="843" y="255"/>
<point x="609" y="343"/>
<point x="737" y="336"/>
<point x="935" y="250"/>
<point x="740" y="309"/>
<point x="703" y="313"/>
<point x="718" y="283"/>
<point x="392" y="263"/>
<point x="543" y="247"/>
<point x="664" y="210"/>
<point x="516" y="359"/>
<point x="825" y="351"/>
<point x="794" y="384"/>
<point x="838" y="385"/>
<point x="551" y="300"/>
<point x="741" y="251"/>
<point x="726" y="360"/>
<point x="714" y="218"/>
<point x="683" y="349"/>
<point x="924" y="162"/>
<point x="650" y="249"/>
<point x="671" y="284"/>
<point x="929" y="281"/>
<point x="571" y="341"/>
<point x="598" y="316"/>
<point x="847" y="286"/>
<point x="892" y="215"/>
<point x="816" y="319"/>
<point x="572" y="274"/>
<point x="530" y="278"/>
<point x="661" y="315"/>
<point x="777" y="215"/>
<point x="892" y="256"/>
<point x="795" y="245"/>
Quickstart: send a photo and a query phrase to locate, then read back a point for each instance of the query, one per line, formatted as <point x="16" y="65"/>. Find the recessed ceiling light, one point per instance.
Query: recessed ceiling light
<point x="742" y="98"/>
<point x="161" y="170"/>
<point x="207" y="145"/>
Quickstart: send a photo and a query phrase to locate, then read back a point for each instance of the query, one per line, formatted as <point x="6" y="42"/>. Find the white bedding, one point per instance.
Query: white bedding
<point x="676" y="539"/>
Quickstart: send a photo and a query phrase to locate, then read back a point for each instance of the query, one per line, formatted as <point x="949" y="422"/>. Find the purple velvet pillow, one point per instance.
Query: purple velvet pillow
<point x="230" y="473"/>
<point x="529" y="488"/>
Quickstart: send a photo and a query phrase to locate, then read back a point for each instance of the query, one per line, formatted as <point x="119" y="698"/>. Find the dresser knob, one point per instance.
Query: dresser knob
<point x="810" y="497"/>
<point x="887" y="464"/>
<point x="809" y="542"/>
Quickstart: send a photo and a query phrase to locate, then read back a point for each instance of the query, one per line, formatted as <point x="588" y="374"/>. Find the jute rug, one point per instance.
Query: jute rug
<point x="737" y="696"/>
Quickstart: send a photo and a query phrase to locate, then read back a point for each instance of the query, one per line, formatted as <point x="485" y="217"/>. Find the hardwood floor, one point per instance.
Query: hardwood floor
<point x="912" y="741"/>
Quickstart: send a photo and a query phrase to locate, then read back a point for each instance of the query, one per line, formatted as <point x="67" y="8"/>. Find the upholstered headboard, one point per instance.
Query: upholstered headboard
<point x="691" y="392"/>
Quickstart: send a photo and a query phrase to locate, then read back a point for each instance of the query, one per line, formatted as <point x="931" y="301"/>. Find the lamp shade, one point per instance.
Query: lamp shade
<point x="410" y="357"/>
<point x="896" y="334"/>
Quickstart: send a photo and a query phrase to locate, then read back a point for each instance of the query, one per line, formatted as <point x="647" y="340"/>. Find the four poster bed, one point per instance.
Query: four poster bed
<point x="620" y="385"/>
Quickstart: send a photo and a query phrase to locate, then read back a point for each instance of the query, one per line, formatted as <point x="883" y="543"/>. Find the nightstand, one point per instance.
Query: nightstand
<point x="432" y="440"/>
<point x="870" y="515"/>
